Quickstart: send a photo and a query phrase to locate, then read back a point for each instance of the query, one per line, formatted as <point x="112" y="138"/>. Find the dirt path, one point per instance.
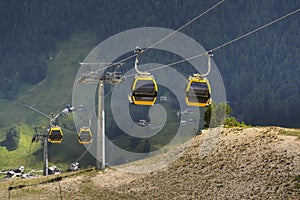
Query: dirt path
<point x="246" y="163"/>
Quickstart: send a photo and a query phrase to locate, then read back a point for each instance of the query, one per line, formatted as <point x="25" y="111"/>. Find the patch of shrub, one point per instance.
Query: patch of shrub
<point x="232" y="122"/>
<point x="12" y="139"/>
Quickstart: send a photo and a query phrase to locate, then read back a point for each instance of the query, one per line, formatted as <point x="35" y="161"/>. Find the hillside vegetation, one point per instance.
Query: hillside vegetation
<point x="49" y="96"/>
<point x="245" y="163"/>
<point x="261" y="72"/>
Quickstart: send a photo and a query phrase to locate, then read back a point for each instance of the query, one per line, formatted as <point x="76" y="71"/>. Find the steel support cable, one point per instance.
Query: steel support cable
<point x="88" y="116"/>
<point x="12" y="182"/>
<point x="225" y="44"/>
<point x="172" y="33"/>
<point x="65" y="99"/>
<point x="214" y="49"/>
<point x="255" y="30"/>
<point x="70" y="92"/>
<point x="70" y="131"/>
<point x="186" y="24"/>
<point x="164" y="38"/>
<point x="27" y="106"/>
<point x="151" y="46"/>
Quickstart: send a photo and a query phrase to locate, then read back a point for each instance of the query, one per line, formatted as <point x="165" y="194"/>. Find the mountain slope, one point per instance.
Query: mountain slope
<point x="49" y="96"/>
<point x="259" y="163"/>
<point x="260" y="72"/>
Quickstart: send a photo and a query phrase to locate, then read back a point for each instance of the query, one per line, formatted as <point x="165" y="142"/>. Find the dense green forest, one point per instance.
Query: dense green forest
<point x="261" y="72"/>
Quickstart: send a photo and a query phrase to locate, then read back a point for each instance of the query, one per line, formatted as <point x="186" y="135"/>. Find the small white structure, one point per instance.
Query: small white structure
<point x="54" y="170"/>
<point x="163" y="98"/>
<point x="74" y="166"/>
<point x="142" y="122"/>
<point x="183" y="122"/>
<point x="184" y="112"/>
<point x="15" y="172"/>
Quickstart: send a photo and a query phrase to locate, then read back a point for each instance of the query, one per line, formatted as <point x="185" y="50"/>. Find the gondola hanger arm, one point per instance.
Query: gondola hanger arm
<point x="208" y="55"/>
<point x="138" y="51"/>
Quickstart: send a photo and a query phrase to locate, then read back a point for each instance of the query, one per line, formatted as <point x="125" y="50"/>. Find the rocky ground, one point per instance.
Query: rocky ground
<point x="238" y="163"/>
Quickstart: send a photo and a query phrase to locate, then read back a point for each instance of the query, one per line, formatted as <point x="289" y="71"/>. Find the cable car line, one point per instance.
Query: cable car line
<point x="72" y="131"/>
<point x="225" y="44"/>
<point x="27" y="106"/>
<point x="186" y="24"/>
<point x="28" y="156"/>
<point x="193" y="57"/>
<point x="180" y="61"/>
<point x="51" y="123"/>
<point x="183" y="26"/>
<point x="172" y="33"/>
<point x="83" y="154"/>
<point x="83" y="64"/>
<point x="65" y="99"/>
<point x="255" y="30"/>
<point x="26" y="162"/>
<point x="148" y="93"/>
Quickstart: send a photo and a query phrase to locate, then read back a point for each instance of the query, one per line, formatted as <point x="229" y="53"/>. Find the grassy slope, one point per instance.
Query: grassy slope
<point x="8" y="159"/>
<point x="187" y="176"/>
<point x="62" y="71"/>
<point x="48" y="96"/>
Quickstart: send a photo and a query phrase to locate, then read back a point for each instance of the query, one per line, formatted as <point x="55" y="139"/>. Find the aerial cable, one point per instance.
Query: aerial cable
<point x="72" y="131"/>
<point x="82" y="155"/>
<point x="151" y="46"/>
<point x="27" y="106"/>
<point x="186" y="24"/>
<point x="225" y="44"/>
<point x="27" y="158"/>
<point x="154" y="44"/>
<point x="255" y="30"/>
<point x="26" y="162"/>
<point x="95" y="106"/>
<point x="82" y="64"/>
<point x="65" y="99"/>
<point x="170" y="64"/>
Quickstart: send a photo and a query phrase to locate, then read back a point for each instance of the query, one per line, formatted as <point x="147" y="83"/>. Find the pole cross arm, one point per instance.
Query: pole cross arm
<point x="94" y="77"/>
<point x="39" y="137"/>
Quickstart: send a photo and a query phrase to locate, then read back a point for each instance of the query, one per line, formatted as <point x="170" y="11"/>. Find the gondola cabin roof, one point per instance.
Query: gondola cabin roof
<point x="55" y="134"/>
<point x="144" y="90"/>
<point x="198" y="92"/>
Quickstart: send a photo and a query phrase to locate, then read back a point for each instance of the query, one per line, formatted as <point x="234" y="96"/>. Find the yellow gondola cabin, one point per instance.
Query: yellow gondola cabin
<point x="198" y="91"/>
<point x="144" y="90"/>
<point x="55" y="134"/>
<point x="85" y="136"/>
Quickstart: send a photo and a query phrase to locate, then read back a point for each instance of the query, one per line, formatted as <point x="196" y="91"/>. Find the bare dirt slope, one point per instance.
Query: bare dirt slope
<point x="245" y="163"/>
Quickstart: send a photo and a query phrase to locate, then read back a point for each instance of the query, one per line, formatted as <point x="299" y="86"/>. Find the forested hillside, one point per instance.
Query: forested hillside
<point x="261" y="72"/>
